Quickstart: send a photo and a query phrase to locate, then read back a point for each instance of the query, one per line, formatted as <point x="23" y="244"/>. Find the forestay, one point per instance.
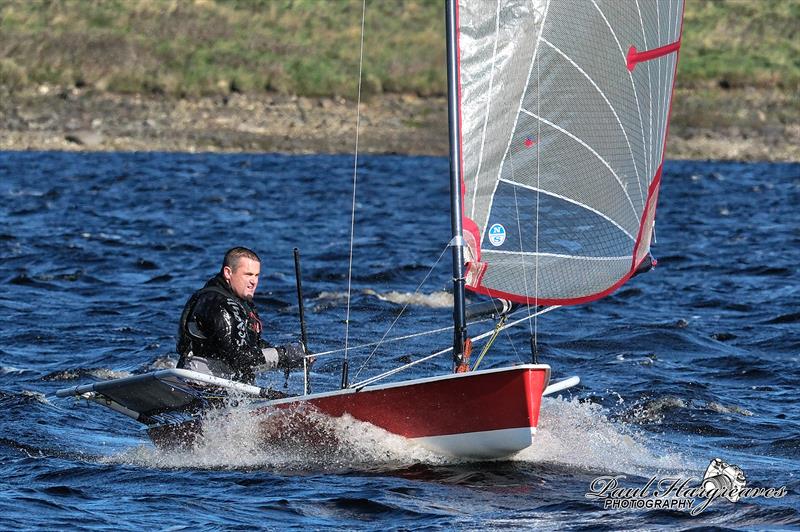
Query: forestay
<point x="564" y="109"/>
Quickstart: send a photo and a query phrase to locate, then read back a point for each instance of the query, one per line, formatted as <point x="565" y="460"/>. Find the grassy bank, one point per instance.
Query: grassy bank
<point x="311" y="47"/>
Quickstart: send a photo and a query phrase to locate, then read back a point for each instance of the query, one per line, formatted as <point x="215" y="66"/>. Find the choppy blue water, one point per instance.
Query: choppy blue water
<point x="695" y="360"/>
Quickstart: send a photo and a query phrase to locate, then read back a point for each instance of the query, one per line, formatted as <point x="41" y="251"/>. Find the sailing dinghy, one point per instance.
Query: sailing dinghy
<point x="558" y="115"/>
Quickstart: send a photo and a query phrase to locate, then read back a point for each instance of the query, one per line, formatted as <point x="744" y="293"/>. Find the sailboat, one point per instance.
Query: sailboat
<point x="558" y="116"/>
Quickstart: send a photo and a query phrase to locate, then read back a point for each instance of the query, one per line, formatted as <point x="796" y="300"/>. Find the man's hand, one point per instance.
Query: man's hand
<point x="292" y="356"/>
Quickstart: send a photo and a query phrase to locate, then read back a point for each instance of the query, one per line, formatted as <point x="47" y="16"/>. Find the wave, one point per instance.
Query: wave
<point x="582" y="435"/>
<point x="24" y="397"/>
<point x="438" y="299"/>
<point x="238" y="438"/>
<point x="571" y="433"/>
<point x="80" y="373"/>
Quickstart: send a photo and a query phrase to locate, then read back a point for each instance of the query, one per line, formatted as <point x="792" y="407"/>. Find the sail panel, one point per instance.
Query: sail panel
<point x="564" y="109"/>
<point x="565" y="227"/>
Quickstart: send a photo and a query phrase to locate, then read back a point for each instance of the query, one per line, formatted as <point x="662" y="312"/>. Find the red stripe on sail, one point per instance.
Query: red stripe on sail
<point x="635" y="57"/>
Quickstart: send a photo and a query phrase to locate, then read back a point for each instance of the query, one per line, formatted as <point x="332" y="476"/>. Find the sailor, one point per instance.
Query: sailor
<point x="220" y="331"/>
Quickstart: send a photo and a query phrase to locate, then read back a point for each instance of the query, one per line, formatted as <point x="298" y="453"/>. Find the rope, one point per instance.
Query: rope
<point x="355" y="180"/>
<point x="389" y="373"/>
<point x="396" y="339"/>
<point x="508" y="336"/>
<point x="378" y="344"/>
<point x="521" y="256"/>
<point x="488" y="345"/>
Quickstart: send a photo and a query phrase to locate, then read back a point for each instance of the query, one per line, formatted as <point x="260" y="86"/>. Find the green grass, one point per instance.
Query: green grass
<point x="311" y="47"/>
<point x="741" y="43"/>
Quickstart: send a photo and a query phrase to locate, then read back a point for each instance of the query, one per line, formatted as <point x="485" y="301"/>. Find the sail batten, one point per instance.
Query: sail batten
<point x="610" y="107"/>
<point x="570" y="200"/>
<point x="592" y="151"/>
<point x="558" y="255"/>
<point x="562" y="142"/>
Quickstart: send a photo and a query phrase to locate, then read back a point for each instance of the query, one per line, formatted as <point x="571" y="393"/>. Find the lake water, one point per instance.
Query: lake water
<point x="695" y="360"/>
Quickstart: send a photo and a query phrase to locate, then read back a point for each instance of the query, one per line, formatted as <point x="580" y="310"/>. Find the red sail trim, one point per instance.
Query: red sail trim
<point x="635" y="57"/>
<point x="652" y="197"/>
<point x="478" y="288"/>
<point x="472" y="236"/>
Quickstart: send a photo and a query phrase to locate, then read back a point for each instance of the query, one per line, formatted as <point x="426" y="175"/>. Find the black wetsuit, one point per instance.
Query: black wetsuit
<point x="221" y="327"/>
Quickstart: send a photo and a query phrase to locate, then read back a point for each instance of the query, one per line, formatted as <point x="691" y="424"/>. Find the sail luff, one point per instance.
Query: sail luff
<point x="589" y="188"/>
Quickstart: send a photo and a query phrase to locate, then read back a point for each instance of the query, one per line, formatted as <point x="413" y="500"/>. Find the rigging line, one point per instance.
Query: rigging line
<point x="363" y="364"/>
<point x="524" y="274"/>
<point x="490" y="342"/>
<point x="388" y="340"/>
<point x="398" y="338"/>
<point x="508" y="336"/>
<point x="355" y="180"/>
<point x="519" y="232"/>
<point x="391" y="372"/>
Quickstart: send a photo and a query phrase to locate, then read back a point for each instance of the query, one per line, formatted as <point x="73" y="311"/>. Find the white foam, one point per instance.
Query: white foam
<point x="580" y="434"/>
<point x="439" y="299"/>
<point x="6" y="370"/>
<point x="108" y="374"/>
<point x="571" y="433"/>
<point x="239" y="438"/>
<point x="37" y="396"/>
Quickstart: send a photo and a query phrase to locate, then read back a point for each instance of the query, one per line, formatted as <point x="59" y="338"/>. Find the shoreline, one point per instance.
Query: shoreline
<point x="735" y="125"/>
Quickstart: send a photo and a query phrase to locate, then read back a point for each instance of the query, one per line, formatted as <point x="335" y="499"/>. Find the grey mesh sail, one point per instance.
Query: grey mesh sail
<point x="564" y="109"/>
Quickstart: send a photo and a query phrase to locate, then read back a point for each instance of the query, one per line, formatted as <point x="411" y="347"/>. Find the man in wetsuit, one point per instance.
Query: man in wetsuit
<point x="220" y="332"/>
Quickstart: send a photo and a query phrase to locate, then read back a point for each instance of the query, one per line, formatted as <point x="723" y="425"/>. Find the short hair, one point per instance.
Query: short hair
<point x="233" y="255"/>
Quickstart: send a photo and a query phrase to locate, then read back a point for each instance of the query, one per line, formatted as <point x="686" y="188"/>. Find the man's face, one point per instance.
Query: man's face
<point x="243" y="279"/>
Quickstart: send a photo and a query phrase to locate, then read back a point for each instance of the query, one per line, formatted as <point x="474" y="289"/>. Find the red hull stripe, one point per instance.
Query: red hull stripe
<point x="475" y="403"/>
<point x="635" y="57"/>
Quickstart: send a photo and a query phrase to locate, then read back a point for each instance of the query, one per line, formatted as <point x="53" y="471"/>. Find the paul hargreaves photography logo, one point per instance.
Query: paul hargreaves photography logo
<point x="691" y="494"/>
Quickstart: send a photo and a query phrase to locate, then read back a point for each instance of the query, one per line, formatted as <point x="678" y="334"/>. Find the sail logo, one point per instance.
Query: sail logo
<point x="497" y="235"/>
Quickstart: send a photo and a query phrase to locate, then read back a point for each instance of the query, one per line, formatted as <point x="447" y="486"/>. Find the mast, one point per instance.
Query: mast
<point x="454" y="124"/>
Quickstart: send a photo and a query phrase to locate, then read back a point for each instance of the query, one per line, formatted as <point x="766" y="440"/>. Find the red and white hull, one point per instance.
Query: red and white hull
<point x="481" y="414"/>
<point x="490" y="413"/>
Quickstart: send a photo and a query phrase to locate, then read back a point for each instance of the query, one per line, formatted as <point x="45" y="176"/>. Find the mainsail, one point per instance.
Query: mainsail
<point x="564" y="108"/>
